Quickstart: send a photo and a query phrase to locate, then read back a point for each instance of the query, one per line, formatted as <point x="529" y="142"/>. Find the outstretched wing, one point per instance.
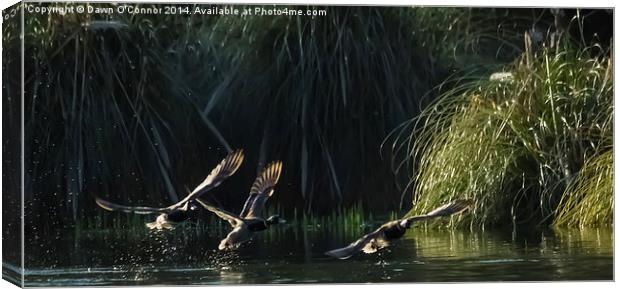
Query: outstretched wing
<point x="261" y="190"/>
<point x="231" y="218"/>
<point x="451" y="208"/>
<point x="127" y="209"/>
<point x="224" y="169"/>
<point x="348" y="251"/>
<point x="448" y="209"/>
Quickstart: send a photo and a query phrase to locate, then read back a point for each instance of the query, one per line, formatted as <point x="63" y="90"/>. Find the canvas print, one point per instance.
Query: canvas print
<point x="216" y="144"/>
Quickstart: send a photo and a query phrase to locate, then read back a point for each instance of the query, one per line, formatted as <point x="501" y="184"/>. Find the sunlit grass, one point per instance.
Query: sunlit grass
<point x="589" y="200"/>
<point x="515" y="145"/>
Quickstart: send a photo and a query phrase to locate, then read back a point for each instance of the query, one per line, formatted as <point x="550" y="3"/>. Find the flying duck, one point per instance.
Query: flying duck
<point x="179" y="212"/>
<point x="249" y="220"/>
<point x="393" y="230"/>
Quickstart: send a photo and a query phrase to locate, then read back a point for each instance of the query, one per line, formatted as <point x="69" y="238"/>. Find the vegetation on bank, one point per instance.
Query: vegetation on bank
<point x="532" y="145"/>
<point x="589" y="200"/>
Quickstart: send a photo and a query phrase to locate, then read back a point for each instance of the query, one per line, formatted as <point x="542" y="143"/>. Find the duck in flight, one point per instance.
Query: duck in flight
<point x="393" y="230"/>
<point x="249" y="220"/>
<point x="179" y="212"/>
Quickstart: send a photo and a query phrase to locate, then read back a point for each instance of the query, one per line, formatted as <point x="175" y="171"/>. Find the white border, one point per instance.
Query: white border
<point x="484" y="3"/>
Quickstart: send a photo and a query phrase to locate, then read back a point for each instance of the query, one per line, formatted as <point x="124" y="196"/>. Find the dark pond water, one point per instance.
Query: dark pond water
<point x="295" y="254"/>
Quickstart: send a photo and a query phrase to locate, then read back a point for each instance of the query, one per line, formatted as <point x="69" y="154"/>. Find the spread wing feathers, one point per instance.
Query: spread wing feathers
<point x="127" y="209"/>
<point x="261" y="190"/>
<point x="448" y="209"/>
<point x="360" y="244"/>
<point x="268" y="178"/>
<point x="231" y="218"/>
<point x="224" y="169"/>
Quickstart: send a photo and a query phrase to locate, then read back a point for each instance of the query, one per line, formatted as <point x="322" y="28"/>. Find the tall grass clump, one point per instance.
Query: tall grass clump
<point x="516" y="143"/>
<point x="589" y="200"/>
<point x="470" y="43"/>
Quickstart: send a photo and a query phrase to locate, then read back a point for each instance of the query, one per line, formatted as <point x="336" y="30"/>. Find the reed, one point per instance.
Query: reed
<point x="135" y="108"/>
<point x="516" y="144"/>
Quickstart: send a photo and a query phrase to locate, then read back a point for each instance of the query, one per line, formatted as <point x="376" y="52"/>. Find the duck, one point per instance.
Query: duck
<point x="249" y="221"/>
<point x="393" y="230"/>
<point x="179" y="212"/>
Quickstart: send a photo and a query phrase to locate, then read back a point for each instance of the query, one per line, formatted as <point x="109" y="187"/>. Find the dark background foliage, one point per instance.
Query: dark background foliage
<point x="138" y="109"/>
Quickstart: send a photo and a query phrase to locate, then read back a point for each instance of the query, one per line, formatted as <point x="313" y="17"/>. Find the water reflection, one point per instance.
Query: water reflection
<point x="231" y="277"/>
<point x="295" y="254"/>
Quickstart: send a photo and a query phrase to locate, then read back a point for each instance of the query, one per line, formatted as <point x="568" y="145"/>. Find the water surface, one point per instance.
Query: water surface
<point x="293" y="253"/>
